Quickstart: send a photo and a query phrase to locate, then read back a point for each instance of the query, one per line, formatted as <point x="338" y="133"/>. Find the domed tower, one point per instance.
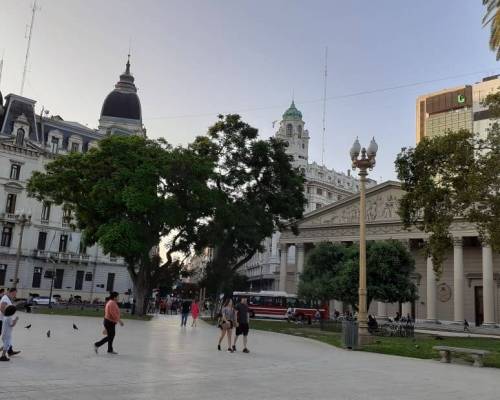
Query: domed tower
<point x="292" y="131"/>
<point x="121" y="111"/>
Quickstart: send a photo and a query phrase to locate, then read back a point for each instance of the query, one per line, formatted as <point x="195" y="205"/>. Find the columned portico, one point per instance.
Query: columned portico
<point x="300" y="259"/>
<point x="458" y="280"/>
<point x="488" y="288"/>
<point x="431" y="291"/>
<point x="283" y="265"/>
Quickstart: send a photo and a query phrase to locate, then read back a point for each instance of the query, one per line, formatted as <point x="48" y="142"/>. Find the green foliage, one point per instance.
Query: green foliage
<point x="129" y="193"/>
<point x="332" y="272"/>
<point x="255" y="191"/>
<point x="492" y="18"/>
<point x="450" y="176"/>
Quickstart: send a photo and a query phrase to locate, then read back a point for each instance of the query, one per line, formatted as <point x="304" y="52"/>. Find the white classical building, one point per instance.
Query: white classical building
<point x="323" y="186"/>
<point x="45" y="249"/>
<point x="467" y="288"/>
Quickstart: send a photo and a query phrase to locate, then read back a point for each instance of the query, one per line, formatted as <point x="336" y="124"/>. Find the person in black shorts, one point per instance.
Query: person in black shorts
<point x="242" y="320"/>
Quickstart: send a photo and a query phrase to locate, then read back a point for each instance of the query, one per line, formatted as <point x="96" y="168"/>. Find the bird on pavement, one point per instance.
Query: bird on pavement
<point x="48" y="333"/>
<point x="75" y="327"/>
<point x="28" y="326"/>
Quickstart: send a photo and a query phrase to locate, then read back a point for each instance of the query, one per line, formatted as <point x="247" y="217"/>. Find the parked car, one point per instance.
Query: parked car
<point x="44" y="300"/>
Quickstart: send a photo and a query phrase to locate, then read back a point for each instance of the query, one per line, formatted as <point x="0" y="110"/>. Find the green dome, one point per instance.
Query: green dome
<point x="292" y="112"/>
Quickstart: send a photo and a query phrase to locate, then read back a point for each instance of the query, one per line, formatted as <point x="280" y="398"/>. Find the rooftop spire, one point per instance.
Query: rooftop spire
<point x="127" y="69"/>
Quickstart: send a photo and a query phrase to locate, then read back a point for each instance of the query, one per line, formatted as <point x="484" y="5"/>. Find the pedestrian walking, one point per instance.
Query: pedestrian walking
<point x="195" y="312"/>
<point x="9" y="321"/>
<point x="242" y="323"/>
<point x="185" y="308"/>
<point x="5" y="302"/>
<point x="226" y="323"/>
<point x="111" y="318"/>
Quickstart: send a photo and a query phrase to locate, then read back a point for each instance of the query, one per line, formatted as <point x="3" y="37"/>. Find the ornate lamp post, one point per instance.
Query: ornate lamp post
<point x="22" y="219"/>
<point x="363" y="163"/>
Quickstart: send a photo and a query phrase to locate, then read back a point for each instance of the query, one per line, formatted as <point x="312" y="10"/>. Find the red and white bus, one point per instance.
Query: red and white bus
<point x="271" y="304"/>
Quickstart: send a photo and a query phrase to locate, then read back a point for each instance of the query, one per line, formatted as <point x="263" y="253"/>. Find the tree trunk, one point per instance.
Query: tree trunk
<point x="142" y="285"/>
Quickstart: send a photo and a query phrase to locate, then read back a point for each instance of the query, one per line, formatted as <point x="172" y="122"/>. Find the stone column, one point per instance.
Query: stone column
<point x="300" y="259"/>
<point x="406" y="309"/>
<point x="458" y="280"/>
<point x="488" y="288"/>
<point x="283" y="265"/>
<point x="431" y="291"/>
<point x="381" y="310"/>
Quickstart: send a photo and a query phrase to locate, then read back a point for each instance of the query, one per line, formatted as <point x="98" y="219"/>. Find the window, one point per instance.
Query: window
<point x="110" y="283"/>
<point x="10" y="206"/>
<point x="319" y="191"/>
<point x="3" y="272"/>
<point x="45" y="211"/>
<point x="88" y="277"/>
<point x="54" y="145"/>
<point x="75" y="147"/>
<point x="42" y="239"/>
<point x="58" y="281"/>
<point x="63" y="243"/>
<point x="37" y="277"/>
<point x="6" y="236"/>
<point x="20" y="137"/>
<point x="15" y="170"/>
<point x="318" y="205"/>
<point x="289" y="129"/>
<point x="303" y="146"/>
<point x="79" y="280"/>
<point x="66" y="219"/>
<point x="299" y="129"/>
<point x="329" y="195"/>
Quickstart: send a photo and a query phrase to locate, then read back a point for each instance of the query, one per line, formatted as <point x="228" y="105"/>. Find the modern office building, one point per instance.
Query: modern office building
<point x="455" y="108"/>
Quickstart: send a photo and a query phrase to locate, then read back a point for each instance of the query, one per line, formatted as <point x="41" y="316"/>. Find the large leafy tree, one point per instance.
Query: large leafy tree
<point x="453" y="175"/>
<point x="256" y="190"/>
<point x="127" y="195"/>
<point x="492" y="18"/>
<point x="332" y="272"/>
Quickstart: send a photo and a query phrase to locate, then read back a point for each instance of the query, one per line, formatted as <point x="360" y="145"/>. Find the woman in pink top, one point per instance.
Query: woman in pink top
<point x="195" y="311"/>
<point x="111" y="318"/>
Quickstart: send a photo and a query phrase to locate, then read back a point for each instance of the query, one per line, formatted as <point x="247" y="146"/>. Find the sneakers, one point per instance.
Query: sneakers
<point x="96" y="349"/>
<point x="234" y="348"/>
<point x="4" y="358"/>
<point x="13" y="353"/>
<point x="245" y="350"/>
<point x="218" y="347"/>
<point x="230" y="350"/>
<point x="112" y="352"/>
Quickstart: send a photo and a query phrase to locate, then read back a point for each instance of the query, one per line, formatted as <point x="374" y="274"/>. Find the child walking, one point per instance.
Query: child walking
<point x="8" y="324"/>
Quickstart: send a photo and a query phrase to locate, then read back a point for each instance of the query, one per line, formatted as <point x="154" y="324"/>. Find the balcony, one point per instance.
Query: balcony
<point x="62" y="256"/>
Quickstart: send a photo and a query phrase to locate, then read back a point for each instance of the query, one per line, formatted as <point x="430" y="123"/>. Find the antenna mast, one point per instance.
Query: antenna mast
<point x="34" y="10"/>
<point x="324" y="109"/>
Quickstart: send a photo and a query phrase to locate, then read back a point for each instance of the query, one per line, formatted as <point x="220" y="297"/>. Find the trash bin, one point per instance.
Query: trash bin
<point x="350" y="335"/>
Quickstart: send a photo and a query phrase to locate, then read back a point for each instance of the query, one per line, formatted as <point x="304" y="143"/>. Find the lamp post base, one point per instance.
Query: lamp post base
<point x="364" y="337"/>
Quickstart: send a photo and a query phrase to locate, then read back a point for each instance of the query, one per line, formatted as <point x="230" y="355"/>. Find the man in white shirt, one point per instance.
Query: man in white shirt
<point x="6" y="301"/>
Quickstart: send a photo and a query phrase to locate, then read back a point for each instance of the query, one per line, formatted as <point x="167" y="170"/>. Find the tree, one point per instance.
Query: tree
<point x="453" y="175"/>
<point x="256" y="190"/>
<point x="127" y="195"/>
<point x="332" y="272"/>
<point x="492" y="18"/>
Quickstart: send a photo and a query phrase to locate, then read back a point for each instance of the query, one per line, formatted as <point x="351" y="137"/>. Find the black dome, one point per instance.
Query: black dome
<point x="122" y="105"/>
<point x="123" y="101"/>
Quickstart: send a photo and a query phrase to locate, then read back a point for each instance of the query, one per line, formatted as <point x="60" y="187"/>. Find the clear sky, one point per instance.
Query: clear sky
<point x="195" y="59"/>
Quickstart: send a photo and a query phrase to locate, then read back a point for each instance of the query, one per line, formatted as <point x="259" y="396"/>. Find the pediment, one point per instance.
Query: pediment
<point x="382" y="203"/>
<point x="13" y="187"/>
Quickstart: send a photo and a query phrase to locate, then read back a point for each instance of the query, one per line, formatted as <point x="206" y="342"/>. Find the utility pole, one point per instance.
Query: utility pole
<point x="33" y="10"/>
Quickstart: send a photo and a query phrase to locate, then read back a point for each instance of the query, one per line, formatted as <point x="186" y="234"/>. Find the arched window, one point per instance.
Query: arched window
<point x="299" y="129"/>
<point x="303" y="146"/>
<point x="289" y="130"/>
<point x="20" y="137"/>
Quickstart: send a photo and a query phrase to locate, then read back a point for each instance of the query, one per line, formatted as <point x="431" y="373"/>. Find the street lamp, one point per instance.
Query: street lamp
<point x="22" y="219"/>
<point x="363" y="163"/>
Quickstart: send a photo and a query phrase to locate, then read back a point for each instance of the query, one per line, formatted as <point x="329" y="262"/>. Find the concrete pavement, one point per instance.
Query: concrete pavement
<point x="160" y="360"/>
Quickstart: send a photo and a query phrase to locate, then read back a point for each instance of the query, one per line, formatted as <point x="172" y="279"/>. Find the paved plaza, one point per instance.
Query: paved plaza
<point x="160" y="360"/>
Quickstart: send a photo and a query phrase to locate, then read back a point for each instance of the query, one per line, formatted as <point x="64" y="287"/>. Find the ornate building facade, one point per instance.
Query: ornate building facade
<point x="323" y="186"/>
<point x="38" y="245"/>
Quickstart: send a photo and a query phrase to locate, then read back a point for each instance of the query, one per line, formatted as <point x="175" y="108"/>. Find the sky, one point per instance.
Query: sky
<point x="195" y="59"/>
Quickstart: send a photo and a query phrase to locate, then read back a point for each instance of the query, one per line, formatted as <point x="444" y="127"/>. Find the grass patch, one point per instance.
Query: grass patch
<point x="86" y="312"/>
<point x="418" y="347"/>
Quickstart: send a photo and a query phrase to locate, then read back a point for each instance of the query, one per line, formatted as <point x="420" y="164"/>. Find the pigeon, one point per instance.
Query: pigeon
<point x="48" y="333"/>
<point x="75" y="327"/>
<point x="28" y="326"/>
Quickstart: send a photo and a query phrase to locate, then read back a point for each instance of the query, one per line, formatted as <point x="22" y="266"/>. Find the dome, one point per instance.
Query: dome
<point x="292" y="112"/>
<point x="123" y="101"/>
